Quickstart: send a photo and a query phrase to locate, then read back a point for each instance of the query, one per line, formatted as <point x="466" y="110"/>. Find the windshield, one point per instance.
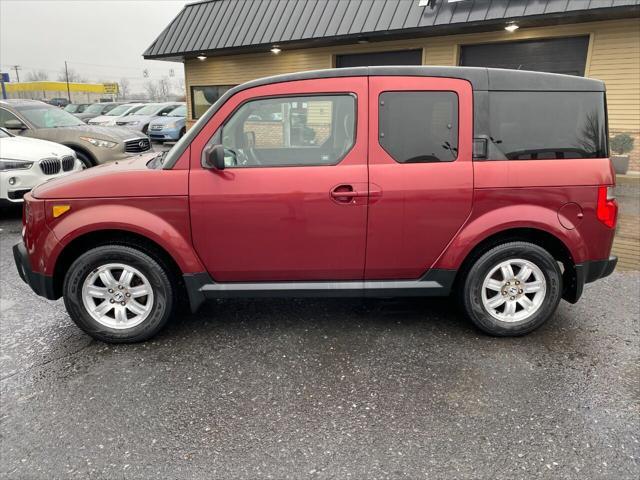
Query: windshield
<point x="4" y="134"/>
<point x="150" y="109"/>
<point x="95" y="108"/>
<point x="71" y="108"/>
<point x="178" y="112"/>
<point x="119" y="110"/>
<point x="48" y="117"/>
<point x="134" y="110"/>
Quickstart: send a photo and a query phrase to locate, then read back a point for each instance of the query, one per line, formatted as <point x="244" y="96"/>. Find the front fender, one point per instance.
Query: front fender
<point x="164" y="220"/>
<point x="484" y="225"/>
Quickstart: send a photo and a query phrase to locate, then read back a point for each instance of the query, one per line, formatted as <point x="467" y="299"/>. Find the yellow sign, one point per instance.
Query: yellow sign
<point x="45" y="86"/>
<point x="111" y="88"/>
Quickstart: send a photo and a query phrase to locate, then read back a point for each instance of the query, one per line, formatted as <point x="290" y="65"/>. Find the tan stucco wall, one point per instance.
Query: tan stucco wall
<point x="613" y="56"/>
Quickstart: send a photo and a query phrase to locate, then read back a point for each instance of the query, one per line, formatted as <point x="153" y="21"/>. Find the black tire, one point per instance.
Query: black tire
<point x="183" y="130"/>
<point x="145" y="129"/>
<point x="471" y="293"/>
<point x="86" y="161"/>
<point x="163" y="293"/>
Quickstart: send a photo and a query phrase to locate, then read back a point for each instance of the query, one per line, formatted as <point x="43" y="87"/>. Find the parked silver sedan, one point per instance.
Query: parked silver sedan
<point x="140" y="121"/>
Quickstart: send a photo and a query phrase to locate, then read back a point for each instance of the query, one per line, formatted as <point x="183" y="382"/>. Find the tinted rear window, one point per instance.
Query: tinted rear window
<point x="419" y="127"/>
<point x="547" y="125"/>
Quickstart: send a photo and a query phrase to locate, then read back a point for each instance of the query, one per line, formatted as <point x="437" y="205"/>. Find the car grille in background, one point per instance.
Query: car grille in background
<point x="50" y="166"/>
<point x="68" y="162"/>
<point x="138" y="145"/>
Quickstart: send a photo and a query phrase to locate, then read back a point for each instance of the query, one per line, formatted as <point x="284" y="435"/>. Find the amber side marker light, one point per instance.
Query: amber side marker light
<point x="60" y="210"/>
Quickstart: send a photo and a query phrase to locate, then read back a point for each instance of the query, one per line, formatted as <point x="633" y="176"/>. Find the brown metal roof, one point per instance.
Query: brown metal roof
<point x="230" y="26"/>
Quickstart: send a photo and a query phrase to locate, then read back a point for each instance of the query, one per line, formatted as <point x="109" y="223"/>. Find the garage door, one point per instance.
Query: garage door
<point x="399" y="57"/>
<point x="558" y="55"/>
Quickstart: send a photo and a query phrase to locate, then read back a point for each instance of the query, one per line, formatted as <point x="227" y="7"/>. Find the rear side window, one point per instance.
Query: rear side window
<point x="547" y="125"/>
<point x="419" y="127"/>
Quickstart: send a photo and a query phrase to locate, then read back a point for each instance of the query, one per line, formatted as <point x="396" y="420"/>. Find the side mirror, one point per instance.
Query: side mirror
<point x="14" y="124"/>
<point x="213" y="157"/>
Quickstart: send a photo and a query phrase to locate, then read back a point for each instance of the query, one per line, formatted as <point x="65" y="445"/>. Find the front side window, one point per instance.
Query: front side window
<point x="547" y="125"/>
<point x="205" y="96"/>
<point x="290" y="131"/>
<point x="6" y="116"/>
<point x="419" y="127"/>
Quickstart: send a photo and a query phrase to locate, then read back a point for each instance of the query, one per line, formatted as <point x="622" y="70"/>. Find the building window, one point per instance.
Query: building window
<point x="202" y="97"/>
<point x="419" y="127"/>
<point x="290" y="131"/>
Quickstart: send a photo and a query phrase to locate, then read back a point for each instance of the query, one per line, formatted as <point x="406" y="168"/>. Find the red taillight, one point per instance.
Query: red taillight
<point x="607" y="209"/>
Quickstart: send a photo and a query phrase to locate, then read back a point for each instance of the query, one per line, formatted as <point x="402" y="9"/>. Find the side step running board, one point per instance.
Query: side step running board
<point x="201" y="287"/>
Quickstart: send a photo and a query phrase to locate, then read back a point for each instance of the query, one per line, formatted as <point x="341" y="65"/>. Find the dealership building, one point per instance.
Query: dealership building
<point x="226" y="42"/>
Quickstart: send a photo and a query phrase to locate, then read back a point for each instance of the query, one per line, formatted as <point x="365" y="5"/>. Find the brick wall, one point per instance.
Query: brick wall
<point x="271" y="134"/>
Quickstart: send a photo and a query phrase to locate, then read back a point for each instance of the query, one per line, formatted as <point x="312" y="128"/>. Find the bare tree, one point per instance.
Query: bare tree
<point x="37" y="76"/>
<point x="124" y="88"/>
<point x="151" y="90"/>
<point x="74" y="76"/>
<point x="180" y="82"/>
<point x="164" y="88"/>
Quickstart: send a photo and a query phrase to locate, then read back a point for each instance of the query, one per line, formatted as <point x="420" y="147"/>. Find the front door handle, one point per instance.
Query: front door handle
<point x="346" y="194"/>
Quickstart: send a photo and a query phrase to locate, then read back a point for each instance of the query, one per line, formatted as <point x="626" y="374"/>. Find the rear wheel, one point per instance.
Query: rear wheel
<point x="512" y="289"/>
<point x="118" y="294"/>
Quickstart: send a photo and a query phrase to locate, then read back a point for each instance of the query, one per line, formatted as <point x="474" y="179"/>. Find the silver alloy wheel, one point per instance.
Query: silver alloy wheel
<point x="117" y="296"/>
<point x="514" y="290"/>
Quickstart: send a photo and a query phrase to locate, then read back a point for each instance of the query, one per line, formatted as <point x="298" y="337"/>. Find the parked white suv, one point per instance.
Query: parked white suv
<point x="28" y="162"/>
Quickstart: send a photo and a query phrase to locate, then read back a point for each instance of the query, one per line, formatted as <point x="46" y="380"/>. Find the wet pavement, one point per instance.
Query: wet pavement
<point x="327" y="389"/>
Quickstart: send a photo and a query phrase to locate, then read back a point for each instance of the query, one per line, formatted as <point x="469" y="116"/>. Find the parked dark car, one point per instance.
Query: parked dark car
<point x="491" y="185"/>
<point x="76" y="107"/>
<point x="58" y="102"/>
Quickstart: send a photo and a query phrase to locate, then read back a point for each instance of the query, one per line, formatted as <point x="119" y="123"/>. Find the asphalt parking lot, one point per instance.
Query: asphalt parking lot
<point x="321" y="389"/>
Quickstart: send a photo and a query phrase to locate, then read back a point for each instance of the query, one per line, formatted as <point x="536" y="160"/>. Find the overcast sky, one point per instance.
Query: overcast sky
<point x="102" y="40"/>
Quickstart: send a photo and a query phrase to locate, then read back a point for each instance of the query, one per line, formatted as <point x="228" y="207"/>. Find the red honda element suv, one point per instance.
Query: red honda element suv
<point x="493" y="185"/>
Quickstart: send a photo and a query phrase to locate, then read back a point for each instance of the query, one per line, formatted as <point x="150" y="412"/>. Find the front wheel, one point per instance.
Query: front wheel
<point x="118" y="294"/>
<point x="84" y="160"/>
<point x="512" y="289"/>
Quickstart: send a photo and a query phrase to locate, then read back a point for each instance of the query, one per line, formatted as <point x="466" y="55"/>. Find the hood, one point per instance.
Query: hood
<point x="103" y="118"/>
<point x="96" y="131"/>
<point x="84" y="116"/>
<point x="123" y="178"/>
<point x="165" y="120"/>
<point x="31" y="149"/>
<point x="136" y="118"/>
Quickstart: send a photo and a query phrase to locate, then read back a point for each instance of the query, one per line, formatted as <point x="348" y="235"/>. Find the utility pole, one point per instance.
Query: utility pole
<point x="17" y="68"/>
<point x="66" y="71"/>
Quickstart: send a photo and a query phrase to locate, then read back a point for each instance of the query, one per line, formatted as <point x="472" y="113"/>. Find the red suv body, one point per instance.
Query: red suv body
<point x="374" y="181"/>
